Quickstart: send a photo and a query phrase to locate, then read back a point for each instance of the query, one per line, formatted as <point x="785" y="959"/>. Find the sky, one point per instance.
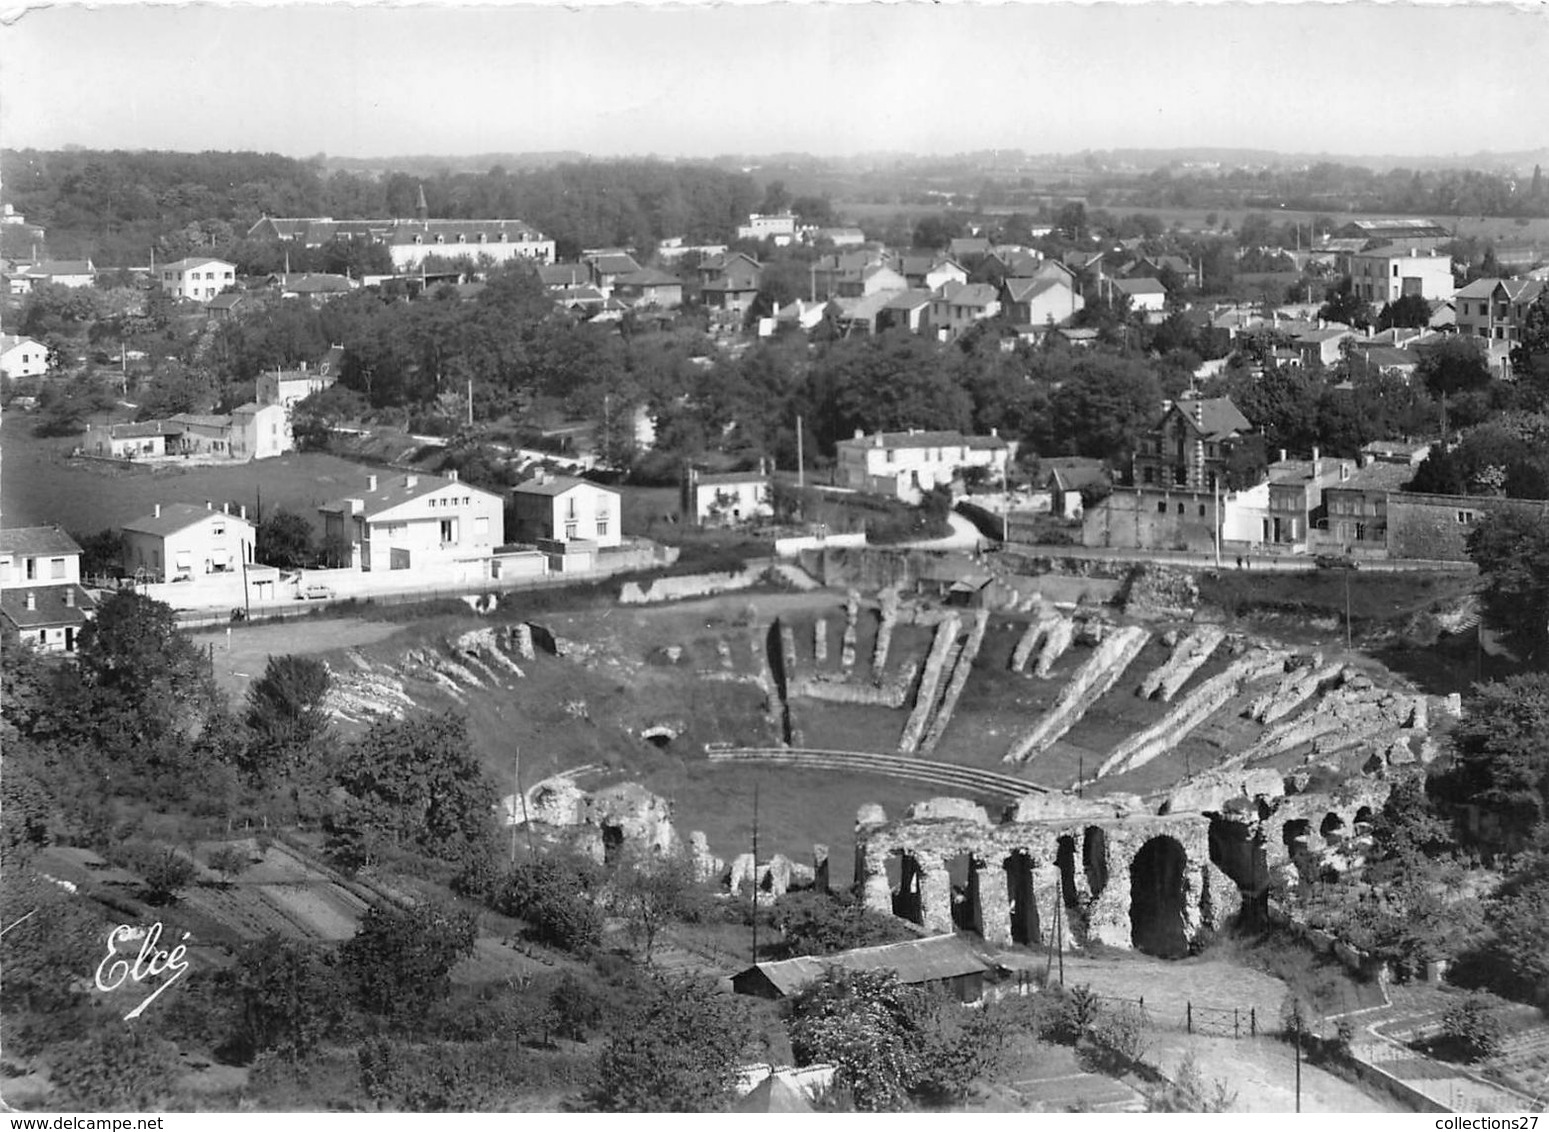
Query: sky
<point x="376" y="81"/>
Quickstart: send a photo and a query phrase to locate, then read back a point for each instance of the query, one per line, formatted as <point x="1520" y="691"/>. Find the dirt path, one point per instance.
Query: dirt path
<point x="1262" y="1072"/>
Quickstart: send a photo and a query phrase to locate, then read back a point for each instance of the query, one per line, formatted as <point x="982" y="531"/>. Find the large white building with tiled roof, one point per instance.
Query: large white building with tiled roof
<point x="407" y="522"/>
<point x="906" y="465"/>
<point x="186" y="542"/>
<point x="197" y="277"/>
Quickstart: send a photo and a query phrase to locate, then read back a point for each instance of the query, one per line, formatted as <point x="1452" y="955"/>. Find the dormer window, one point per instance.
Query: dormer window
<point x="462" y="238"/>
<point x="440" y="239"/>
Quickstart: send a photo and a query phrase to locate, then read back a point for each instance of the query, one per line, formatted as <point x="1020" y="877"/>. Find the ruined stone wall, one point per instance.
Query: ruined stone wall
<point x="1189" y="653"/>
<point x="960" y="673"/>
<point x="930" y="681"/>
<point x="1427" y="526"/>
<point x="1089" y="683"/>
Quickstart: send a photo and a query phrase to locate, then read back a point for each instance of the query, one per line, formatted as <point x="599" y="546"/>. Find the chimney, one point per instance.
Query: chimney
<point x="225" y="508"/>
<point x="69" y="597"/>
<point x="860" y="434"/>
<point x="242" y="510"/>
<point x="411" y="482"/>
<point x="303" y="367"/>
<point x="371" y="483"/>
<point x="209" y="506"/>
<point x="156" y="512"/>
<point x="1282" y="455"/>
<point x="452" y="475"/>
<point x="1344" y="470"/>
<point x="32" y="601"/>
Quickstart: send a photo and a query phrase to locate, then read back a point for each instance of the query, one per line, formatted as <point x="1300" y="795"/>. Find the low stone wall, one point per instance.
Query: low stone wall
<point x="1089" y="683"/>
<point x="1198" y="706"/>
<point x="1187" y="657"/>
<point x="892" y="693"/>
<point x="688" y="586"/>
<point x="960" y="673"/>
<point x="930" y="680"/>
<point x="792" y="547"/>
<point x="1294" y="690"/>
<point x="1056" y="642"/>
<point x="885" y="632"/>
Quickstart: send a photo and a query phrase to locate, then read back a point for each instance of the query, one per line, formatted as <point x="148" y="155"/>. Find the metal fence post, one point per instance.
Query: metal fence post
<point x="1188" y="1014"/>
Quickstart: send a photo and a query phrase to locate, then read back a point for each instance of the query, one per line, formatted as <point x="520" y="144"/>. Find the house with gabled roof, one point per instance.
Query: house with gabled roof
<point x="649" y="287"/>
<point x="567" y="509"/>
<point x="41" y="596"/>
<point x="1034" y="303"/>
<point x="726" y="498"/>
<point x="184" y="542"/>
<point x="928" y="272"/>
<point x="196" y="277"/>
<point x="1495" y="309"/>
<point x="63" y="272"/>
<point x="730" y="282"/>
<point x="905" y="465"/>
<point x="414" y="521"/>
<point x="957" y="306"/>
<point x="1190" y="444"/>
<point x="907" y="309"/>
<point x="608" y="266"/>
<point x="1144" y="293"/>
<point x="964" y="248"/>
<point x="22" y="357"/>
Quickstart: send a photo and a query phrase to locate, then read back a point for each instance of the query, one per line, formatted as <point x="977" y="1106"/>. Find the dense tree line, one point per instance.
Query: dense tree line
<point x="115" y="206"/>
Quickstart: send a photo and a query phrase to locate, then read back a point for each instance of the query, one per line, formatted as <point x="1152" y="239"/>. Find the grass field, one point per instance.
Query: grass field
<point x="41" y="484"/>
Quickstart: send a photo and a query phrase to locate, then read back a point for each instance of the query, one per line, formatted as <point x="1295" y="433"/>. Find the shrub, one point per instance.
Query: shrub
<point x="1473" y="1029"/>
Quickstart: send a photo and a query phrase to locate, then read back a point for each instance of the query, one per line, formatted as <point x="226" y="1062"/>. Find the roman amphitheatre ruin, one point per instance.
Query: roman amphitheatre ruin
<point x="1128" y="768"/>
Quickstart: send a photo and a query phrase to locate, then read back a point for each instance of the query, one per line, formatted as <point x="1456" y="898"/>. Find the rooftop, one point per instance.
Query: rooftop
<point x="921" y="438"/>
<point x="1377" y="476"/>
<point x="390" y="491"/>
<point x="50" y="605"/>
<point x="916" y="961"/>
<point x="36" y="541"/>
<point x="175" y="517"/>
<point x="557" y="485"/>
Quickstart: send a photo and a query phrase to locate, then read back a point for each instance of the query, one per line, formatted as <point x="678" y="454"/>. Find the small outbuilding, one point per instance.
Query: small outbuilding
<point x="947" y="961"/>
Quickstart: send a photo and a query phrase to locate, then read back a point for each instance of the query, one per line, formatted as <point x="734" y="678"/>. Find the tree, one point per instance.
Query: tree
<point x="651" y="892"/>
<point x="678" y="1050"/>
<point x="1412" y="311"/>
<point x="291" y="995"/>
<point x="815" y="923"/>
<point x="166" y="872"/>
<point x="102" y="554"/>
<point x="1511" y="549"/>
<point x="1451" y="368"/>
<point x="230" y="861"/>
<point x="557" y="895"/>
<point x="856" y="1020"/>
<point x="285" y="714"/>
<point x="119" y="1068"/>
<point x="399" y="961"/>
<point x="1473" y="1028"/>
<point x="1502" y="750"/>
<point x="1518" y="916"/>
<point x="576" y="1007"/>
<point x="284" y="540"/>
<point x="415" y="784"/>
<point x="1342" y="304"/>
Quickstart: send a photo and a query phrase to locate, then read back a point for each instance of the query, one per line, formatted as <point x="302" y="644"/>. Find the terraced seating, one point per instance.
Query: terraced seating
<point x="966" y="778"/>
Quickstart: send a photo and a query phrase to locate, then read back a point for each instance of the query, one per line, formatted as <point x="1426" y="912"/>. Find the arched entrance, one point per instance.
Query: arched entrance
<point x="1019" y="895"/>
<point x="1332" y="829"/>
<point x="1094" y="856"/>
<point x="906" y="899"/>
<point x="1156" y="910"/>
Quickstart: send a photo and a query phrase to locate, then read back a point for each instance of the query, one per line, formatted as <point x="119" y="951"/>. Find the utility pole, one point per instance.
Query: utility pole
<point x="516" y="792"/>
<point x="1298" y="1023"/>
<point x="801" y="463"/>
<point x="1347" y="608"/>
<point x="470" y="402"/>
<point x="754" y="893"/>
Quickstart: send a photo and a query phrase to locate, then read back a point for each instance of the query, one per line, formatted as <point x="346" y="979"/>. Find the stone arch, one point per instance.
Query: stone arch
<point x="1094" y="857"/>
<point x="1065" y="861"/>
<point x="1332" y="828"/>
<point x="1363" y="816"/>
<point x="906" y="898"/>
<point x="1020" y="896"/>
<point x="960" y="874"/>
<point x="1294" y="835"/>
<point x="1158" y="903"/>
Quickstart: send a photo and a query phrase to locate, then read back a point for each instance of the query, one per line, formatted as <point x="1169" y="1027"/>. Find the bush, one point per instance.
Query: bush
<point x="166" y="872"/>
<point x="1472" y="1028"/>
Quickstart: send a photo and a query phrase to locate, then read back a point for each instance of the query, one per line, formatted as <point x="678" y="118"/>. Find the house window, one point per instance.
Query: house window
<point x="1180" y="507"/>
<point x="218" y="529"/>
<point x="32" y="568"/>
<point x="56" y="567"/>
<point x="1161" y="508"/>
<point x="602" y="526"/>
<point x="448" y="530"/>
<point x="1201" y="510"/>
<point x="570" y="530"/>
<point x="1360" y="532"/>
<point x="1148" y="475"/>
<point x="1466" y="517"/>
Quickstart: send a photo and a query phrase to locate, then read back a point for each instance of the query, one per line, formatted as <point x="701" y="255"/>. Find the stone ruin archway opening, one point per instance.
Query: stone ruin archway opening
<point x="1094" y="857"/>
<point x="1363" y="817"/>
<point x="965" y="910"/>
<point x="1020" y="896"/>
<point x="906" y="898"/>
<point x="1332" y="829"/>
<point x="1294" y="835"/>
<point x="1157" y="899"/>
<point x="1065" y="861"/>
<point x="660" y="737"/>
<point x="612" y="844"/>
<point x="1238" y="850"/>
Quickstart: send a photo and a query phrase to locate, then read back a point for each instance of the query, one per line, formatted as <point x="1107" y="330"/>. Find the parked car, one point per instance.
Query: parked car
<point x="316" y="591"/>
<point x="1336" y="562"/>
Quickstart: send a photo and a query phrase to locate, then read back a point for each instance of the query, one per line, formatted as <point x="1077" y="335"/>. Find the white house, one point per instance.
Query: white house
<point x="779" y="227"/>
<point x="567" y="509"/>
<point x="1385" y="275"/>
<point x="410" y="522"/>
<point x="198" y="278"/>
<point x="957" y="306"/>
<point x="411" y="242"/>
<point x="22" y="357"/>
<point x="260" y="431"/>
<point x="726" y="498"/>
<point x="905" y="465"/>
<point x="184" y="542"/>
<point x="1145" y="294"/>
<point x="40" y="587"/>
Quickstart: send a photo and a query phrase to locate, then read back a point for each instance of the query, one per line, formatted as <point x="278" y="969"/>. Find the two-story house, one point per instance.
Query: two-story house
<point x="200" y="278"/>
<point x="905" y="465"/>
<point x="957" y="306"/>
<point x="567" y="509"/>
<point x="777" y="226"/>
<point x="1385" y="275"/>
<point x="1145" y="294"/>
<point x="1357" y="506"/>
<point x="649" y="287"/>
<point x="730" y="282"/>
<point x="1322" y="346"/>
<point x="1495" y="309"/>
<point x="407" y="522"/>
<point x="1036" y="302"/>
<point x="726" y="498"/>
<point x="286" y="387"/>
<point x="40" y="587"/>
<point x="928" y="272"/>
<point x="1296" y="505"/>
<point x="184" y="542"/>
<point x="1190" y="444"/>
<point x="22" y="357"/>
